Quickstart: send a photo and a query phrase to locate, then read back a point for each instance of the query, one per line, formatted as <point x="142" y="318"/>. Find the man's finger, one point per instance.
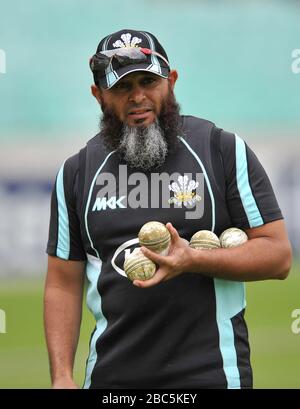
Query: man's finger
<point x="156" y="258"/>
<point x="157" y="278"/>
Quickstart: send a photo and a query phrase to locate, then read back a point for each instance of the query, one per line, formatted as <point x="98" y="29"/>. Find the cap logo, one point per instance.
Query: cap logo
<point x="127" y="41"/>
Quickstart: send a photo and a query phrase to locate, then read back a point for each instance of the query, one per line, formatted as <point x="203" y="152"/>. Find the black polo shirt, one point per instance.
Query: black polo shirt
<point x="186" y="332"/>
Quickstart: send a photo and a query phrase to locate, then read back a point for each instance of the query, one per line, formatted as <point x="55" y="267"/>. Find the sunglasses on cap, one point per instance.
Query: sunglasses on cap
<point x="124" y="56"/>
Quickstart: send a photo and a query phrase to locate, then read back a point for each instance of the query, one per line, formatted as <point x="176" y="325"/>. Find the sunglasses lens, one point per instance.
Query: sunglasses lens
<point x="99" y="62"/>
<point x="124" y="56"/>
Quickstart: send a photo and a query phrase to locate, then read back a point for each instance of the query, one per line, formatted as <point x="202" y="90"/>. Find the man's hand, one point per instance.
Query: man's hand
<point x="266" y="255"/>
<point x="176" y="262"/>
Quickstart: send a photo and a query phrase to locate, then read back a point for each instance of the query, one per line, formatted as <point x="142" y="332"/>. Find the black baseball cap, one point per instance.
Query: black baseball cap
<point x="130" y="38"/>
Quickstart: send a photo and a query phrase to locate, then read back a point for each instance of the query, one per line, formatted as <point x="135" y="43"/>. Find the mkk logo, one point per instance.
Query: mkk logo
<point x="102" y="203"/>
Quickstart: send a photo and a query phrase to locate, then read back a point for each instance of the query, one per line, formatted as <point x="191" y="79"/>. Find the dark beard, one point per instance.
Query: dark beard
<point x="169" y="121"/>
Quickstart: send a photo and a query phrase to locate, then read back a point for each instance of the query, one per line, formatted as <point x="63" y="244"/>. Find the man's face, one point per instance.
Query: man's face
<point x="141" y="119"/>
<point x="137" y="98"/>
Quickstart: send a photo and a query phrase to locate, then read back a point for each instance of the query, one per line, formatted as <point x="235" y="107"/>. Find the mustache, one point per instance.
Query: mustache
<point x="139" y="107"/>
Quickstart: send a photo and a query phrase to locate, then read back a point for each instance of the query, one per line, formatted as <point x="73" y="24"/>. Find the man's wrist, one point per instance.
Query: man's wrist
<point x="192" y="261"/>
<point x="200" y="260"/>
<point x="64" y="383"/>
<point x="62" y="376"/>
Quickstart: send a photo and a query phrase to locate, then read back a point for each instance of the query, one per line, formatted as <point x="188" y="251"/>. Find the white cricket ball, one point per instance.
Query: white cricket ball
<point x="156" y="237"/>
<point x="233" y="237"/>
<point x="205" y="239"/>
<point x="138" y="267"/>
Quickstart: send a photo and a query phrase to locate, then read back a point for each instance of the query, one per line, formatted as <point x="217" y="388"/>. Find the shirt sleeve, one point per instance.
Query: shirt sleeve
<point x="65" y="239"/>
<point x="249" y="194"/>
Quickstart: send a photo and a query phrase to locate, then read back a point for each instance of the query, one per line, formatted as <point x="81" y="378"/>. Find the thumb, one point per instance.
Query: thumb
<point x="174" y="233"/>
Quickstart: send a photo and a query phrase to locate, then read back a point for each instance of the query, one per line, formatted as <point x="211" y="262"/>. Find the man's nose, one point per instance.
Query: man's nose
<point x="137" y="94"/>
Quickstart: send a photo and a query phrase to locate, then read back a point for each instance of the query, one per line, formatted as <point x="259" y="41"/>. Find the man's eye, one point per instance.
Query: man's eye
<point x="149" y="80"/>
<point x="121" y="86"/>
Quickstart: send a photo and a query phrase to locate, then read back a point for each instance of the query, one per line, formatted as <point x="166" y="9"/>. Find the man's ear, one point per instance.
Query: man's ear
<point x="173" y="76"/>
<point x="96" y="92"/>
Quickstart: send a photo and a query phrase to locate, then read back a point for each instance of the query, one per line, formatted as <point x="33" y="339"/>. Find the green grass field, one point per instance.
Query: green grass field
<point x="275" y="348"/>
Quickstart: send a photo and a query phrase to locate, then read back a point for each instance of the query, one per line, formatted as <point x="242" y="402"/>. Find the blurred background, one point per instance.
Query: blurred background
<point x="239" y="66"/>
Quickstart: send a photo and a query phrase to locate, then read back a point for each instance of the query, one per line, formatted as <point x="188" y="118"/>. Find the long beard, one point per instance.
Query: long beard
<point x="143" y="148"/>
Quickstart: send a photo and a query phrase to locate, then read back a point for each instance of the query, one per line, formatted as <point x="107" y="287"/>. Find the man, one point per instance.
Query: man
<point x="185" y="327"/>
